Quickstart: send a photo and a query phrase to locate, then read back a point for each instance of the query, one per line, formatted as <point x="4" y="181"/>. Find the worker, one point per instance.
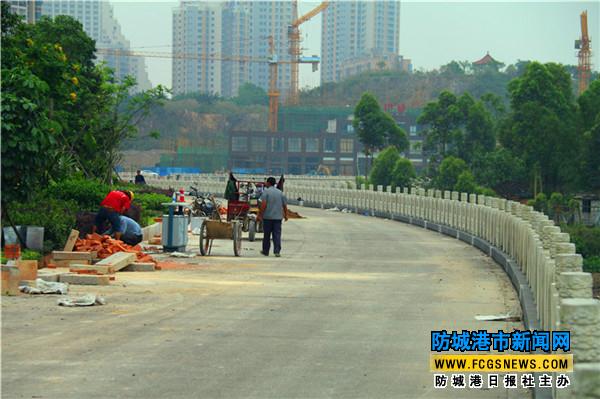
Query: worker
<point x="131" y="232"/>
<point x="139" y="179"/>
<point x="116" y="203"/>
<point x="231" y="190"/>
<point x="273" y="208"/>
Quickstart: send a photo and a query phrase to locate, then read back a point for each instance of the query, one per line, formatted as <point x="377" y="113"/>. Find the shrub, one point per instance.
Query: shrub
<point x="488" y="192"/>
<point x="151" y="201"/>
<point x="361" y="180"/>
<point x="586" y="239"/>
<point x="591" y="264"/>
<point x="449" y="171"/>
<point x="466" y="183"/>
<point x="403" y="173"/>
<point x="29" y="254"/>
<point x="86" y="193"/>
<point x="539" y="203"/>
<point x="383" y="166"/>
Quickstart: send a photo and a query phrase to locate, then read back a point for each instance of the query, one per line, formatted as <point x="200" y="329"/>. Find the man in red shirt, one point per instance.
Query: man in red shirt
<point x="116" y="203"/>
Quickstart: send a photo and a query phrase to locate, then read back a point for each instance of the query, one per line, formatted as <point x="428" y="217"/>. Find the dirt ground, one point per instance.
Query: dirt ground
<point x="340" y="314"/>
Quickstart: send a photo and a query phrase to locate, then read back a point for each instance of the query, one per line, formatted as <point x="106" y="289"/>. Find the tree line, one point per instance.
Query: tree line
<point x="540" y="139"/>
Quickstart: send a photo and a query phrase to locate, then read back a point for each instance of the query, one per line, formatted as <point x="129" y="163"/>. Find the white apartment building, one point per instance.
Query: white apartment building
<point x="205" y="32"/>
<point x="353" y="30"/>
<point x="197" y="46"/>
<point x="30" y="10"/>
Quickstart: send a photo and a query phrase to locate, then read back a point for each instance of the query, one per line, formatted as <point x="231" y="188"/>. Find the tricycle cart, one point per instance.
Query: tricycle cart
<point x="245" y="208"/>
<point x="216" y="230"/>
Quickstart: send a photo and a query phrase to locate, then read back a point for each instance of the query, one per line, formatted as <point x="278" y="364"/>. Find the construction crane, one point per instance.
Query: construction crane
<point x="161" y="54"/>
<point x="273" y="91"/>
<point x="585" y="55"/>
<point x="273" y="62"/>
<point x="295" y="52"/>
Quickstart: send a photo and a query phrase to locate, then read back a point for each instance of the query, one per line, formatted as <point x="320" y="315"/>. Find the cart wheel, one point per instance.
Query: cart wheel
<point x="237" y="239"/>
<point x="204" y="241"/>
<point x="251" y="230"/>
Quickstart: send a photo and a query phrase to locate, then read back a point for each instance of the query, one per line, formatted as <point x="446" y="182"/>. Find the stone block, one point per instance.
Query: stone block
<point x="84" y="279"/>
<point x="562" y="248"/>
<point x="582" y="318"/>
<point x="586" y="380"/>
<point x="28" y="269"/>
<point x="10" y="280"/>
<point x="568" y="263"/>
<point x="575" y="285"/>
<point x="51" y="276"/>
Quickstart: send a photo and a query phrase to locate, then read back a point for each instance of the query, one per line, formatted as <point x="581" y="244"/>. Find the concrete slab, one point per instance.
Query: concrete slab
<point x="84" y="279"/>
<point x="140" y="267"/>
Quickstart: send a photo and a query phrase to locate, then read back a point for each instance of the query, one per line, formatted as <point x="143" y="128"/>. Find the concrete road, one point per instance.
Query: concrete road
<point x="345" y="313"/>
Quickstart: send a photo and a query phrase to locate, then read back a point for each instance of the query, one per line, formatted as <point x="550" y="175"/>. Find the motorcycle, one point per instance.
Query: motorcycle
<point x="204" y="205"/>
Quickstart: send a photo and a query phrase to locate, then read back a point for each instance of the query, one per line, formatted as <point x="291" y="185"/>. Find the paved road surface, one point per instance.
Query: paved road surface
<point x="346" y="313"/>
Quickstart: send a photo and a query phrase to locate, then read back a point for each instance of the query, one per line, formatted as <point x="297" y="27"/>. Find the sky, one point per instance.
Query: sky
<point x="432" y="33"/>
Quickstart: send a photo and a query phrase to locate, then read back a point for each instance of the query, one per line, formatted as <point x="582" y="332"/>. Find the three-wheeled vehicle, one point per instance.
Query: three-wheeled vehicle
<point x="245" y="208"/>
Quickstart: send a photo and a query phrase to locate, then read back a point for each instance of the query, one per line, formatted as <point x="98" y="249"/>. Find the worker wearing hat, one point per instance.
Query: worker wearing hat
<point x="116" y="203"/>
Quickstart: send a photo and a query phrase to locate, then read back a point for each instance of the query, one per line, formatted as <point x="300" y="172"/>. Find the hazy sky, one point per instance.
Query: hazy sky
<point x="431" y="33"/>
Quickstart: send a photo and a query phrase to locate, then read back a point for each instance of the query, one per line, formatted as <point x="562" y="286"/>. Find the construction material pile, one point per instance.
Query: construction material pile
<point x="105" y="246"/>
<point x="294" y="215"/>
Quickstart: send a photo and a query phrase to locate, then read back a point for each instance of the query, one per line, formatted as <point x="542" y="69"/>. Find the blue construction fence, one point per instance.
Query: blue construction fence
<point x="166" y="170"/>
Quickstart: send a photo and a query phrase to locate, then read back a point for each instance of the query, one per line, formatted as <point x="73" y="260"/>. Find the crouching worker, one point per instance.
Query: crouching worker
<point x="130" y="231"/>
<point x="115" y="204"/>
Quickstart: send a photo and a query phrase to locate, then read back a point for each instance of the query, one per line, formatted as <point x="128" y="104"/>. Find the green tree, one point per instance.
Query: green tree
<point x="458" y="126"/>
<point x="28" y="129"/>
<point x="450" y="169"/>
<point x="56" y="102"/>
<point x="375" y="128"/>
<point x="479" y="134"/>
<point x="403" y="173"/>
<point x="589" y="106"/>
<point x="444" y="118"/>
<point x="123" y="113"/>
<point x="383" y="166"/>
<point x="249" y="94"/>
<point x="502" y="171"/>
<point x="541" y="128"/>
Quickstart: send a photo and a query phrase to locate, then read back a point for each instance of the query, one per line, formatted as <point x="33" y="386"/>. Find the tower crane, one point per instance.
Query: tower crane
<point x="273" y="90"/>
<point x="295" y="53"/>
<point x="273" y="62"/>
<point x="585" y="55"/>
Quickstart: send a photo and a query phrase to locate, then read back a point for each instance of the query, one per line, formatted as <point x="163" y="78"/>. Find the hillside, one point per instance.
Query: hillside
<point x="202" y="120"/>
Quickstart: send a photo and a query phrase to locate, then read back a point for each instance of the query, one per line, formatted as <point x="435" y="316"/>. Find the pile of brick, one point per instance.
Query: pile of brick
<point x="105" y="246"/>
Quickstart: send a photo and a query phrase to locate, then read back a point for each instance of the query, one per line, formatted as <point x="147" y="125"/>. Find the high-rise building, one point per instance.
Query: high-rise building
<point x="209" y="30"/>
<point x="99" y="23"/>
<point x="197" y="32"/>
<point x="30" y="10"/>
<point x="353" y="31"/>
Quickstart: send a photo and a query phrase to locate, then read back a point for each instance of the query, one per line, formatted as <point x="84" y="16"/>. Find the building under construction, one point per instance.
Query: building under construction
<point x="309" y="141"/>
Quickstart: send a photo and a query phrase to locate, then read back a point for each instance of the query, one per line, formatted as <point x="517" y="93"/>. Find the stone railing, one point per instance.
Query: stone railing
<point x="216" y="181"/>
<point x="546" y="271"/>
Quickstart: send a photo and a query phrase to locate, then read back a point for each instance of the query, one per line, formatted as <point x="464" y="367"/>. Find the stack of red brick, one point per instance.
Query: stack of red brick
<point x="105" y="246"/>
